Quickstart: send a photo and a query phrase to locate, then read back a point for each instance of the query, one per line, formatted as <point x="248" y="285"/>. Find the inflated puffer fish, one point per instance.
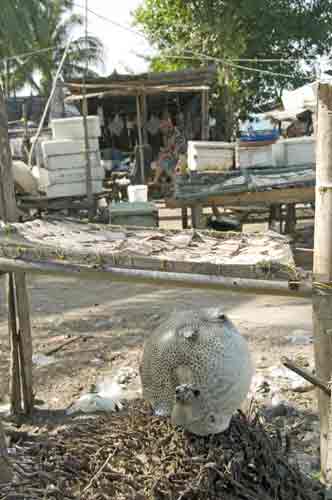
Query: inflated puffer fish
<point x="196" y="368"/>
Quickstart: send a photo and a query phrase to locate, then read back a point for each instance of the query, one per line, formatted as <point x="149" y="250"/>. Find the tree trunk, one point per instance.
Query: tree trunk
<point x="6" y="473"/>
<point x="21" y="342"/>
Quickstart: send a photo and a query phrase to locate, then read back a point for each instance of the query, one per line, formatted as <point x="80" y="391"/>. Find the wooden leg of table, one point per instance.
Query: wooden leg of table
<point x="21" y="345"/>
<point x="215" y="211"/>
<point x="25" y="341"/>
<point x="279" y="218"/>
<point x="15" y="388"/>
<point x="197" y="216"/>
<point x="184" y="215"/>
<point x="290" y="219"/>
<point x="272" y="216"/>
<point x="275" y="216"/>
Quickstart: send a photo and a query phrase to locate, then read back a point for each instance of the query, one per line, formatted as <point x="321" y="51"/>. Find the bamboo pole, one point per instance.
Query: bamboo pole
<point x="161" y="278"/>
<point x="89" y="192"/>
<point x="21" y="341"/>
<point x="309" y="377"/>
<point x="322" y="298"/>
<point x="140" y="138"/>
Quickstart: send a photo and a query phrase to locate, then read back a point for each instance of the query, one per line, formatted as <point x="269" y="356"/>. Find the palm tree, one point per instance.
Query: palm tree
<point x="48" y="25"/>
<point x="13" y="20"/>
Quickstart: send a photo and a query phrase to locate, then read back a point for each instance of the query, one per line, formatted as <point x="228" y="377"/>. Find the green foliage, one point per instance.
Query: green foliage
<point x="298" y="31"/>
<point x="42" y="24"/>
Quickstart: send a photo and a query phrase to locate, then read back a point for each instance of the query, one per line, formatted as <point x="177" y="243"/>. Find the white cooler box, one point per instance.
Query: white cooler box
<point x="210" y="156"/>
<point x="65" y="168"/>
<point x="296" y="151"/>
<point x="73" y="128"/>
<point x="68" y="154"/>
<point x="254" y="156"/>
<point x="64" y="183"/>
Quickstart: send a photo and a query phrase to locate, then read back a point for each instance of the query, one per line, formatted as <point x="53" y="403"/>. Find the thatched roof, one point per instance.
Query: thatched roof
<point x="190" y="80"/>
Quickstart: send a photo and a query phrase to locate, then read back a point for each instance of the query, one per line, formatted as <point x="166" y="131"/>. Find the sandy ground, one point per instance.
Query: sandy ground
<point x="118" y="317"/>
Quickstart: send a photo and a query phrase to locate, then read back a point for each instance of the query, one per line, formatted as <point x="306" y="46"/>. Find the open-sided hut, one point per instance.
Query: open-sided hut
<point x="133" y="108"/>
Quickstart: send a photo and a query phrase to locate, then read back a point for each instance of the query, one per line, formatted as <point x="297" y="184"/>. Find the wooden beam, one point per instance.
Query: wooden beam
<point x="273" y="197"/>
<point x="322" y="300"/>
<point x="20" y="347"/>
<point x="132" y="91"/>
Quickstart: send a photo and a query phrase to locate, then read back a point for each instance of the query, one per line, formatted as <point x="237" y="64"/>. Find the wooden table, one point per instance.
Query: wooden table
<point x="272" y="199"/>
<point x="269" y="187"/>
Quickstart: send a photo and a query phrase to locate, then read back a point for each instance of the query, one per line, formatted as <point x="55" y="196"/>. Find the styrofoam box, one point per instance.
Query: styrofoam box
<point x="252" y="156"/>
<point x="138" y="194"/>
<point x="38" y="152"/>
<point x="76" y="175"/>
<point x="68" y="154"/>
<point x="67" y="190"/>
<point x="296" y="151"/>
<point x="73" y="128"/>
<point x="205" y="156"/>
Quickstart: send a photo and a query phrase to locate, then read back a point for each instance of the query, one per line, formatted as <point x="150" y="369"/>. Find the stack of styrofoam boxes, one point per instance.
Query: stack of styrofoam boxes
<point x="297" y="151"/>
<point x="65" y="161"/>
<point x="254" y="155"/>
<point x="210" y="156"/>
<point x="285" y="152"/>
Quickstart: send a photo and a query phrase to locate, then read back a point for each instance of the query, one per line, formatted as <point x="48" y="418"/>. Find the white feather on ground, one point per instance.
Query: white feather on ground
<point x="105" y="398"/>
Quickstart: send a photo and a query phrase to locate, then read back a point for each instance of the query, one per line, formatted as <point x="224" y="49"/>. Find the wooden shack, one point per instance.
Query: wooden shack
<point x="133" y="108"/>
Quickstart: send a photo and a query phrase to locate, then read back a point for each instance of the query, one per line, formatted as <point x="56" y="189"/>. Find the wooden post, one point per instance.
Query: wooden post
<point x="21" y="342"/>
<point x="205" y="115"/>
<point x="6" y="473"/>
<point x="140" y="138"/>
<point x="322" y="296"/>
<point x="145" y="118"/>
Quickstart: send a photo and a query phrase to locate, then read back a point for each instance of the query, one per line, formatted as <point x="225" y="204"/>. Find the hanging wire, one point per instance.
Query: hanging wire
<point x="238" y="66"/>
<point x="114" y="23"/>
<point x="26" y="54"/>
<point x="200" y="56"/>
<point x="41" y="124"/>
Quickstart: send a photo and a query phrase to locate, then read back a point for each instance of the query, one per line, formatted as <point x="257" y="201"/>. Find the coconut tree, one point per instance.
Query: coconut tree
<point x="14" y="19"/>
<point x="47" y="26"/>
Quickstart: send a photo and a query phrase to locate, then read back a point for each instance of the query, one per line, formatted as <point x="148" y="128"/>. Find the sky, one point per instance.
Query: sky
<point x="121" y="47"/>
